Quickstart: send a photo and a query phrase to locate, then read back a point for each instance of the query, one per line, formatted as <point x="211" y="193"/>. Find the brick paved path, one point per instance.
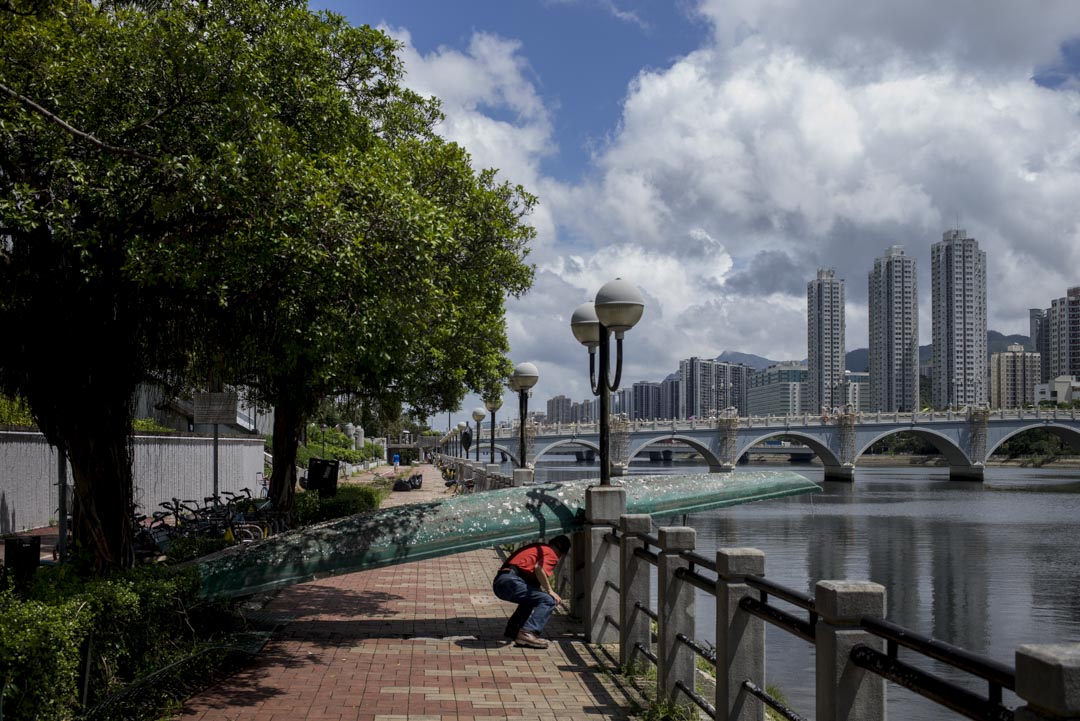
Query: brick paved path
<point x="420" y="642"/>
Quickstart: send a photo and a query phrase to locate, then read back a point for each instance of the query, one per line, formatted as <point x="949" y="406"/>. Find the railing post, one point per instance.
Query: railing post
<point x="1048" y="678"/>
<point x="494" y="477"/>
<point x="635" y="586"/>
<point x="675" y="601"/>
<point x="603" y="507"/>
<point x="523" y="477"/>
<point x="846" y="692"/>
<point x="740" y="637"/>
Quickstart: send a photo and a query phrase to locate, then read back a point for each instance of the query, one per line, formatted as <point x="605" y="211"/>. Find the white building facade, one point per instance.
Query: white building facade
<point x="1013" y="377"/>
<point x="958" y="294"/>
<point x="825" y="330"/>
<point x="894" y="333"/>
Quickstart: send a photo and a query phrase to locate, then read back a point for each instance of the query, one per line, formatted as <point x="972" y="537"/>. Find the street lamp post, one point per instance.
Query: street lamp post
<point x="461" y="426"/>
<point x="617" y="308"/>
<point x="478" y="415"/>
<point x="522" y="379"/>
<point x="493" y="405"/>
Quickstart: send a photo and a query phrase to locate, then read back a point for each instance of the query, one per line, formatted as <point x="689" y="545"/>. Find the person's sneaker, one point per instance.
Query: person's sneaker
<point x="528" y="639"/>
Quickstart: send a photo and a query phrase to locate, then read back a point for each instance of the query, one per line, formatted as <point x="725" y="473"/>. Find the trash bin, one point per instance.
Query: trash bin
<point x="22" y="554"/>
<point x="322" y="476"/>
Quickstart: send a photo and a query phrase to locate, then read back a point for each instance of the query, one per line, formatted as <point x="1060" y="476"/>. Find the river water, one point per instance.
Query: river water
<point x="984" y="566"/>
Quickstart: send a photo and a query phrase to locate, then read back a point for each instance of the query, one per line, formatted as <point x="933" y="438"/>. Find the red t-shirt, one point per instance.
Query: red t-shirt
<point x="524" y="559"/>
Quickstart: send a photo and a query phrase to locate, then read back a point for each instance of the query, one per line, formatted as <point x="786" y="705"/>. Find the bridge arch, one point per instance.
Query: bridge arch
<point x="566" y="442"/>
<point x="707" y="453"/>
<point x="1070" y="436"/>
<point x="954" y="454"/>
<point x="827" y="456"/>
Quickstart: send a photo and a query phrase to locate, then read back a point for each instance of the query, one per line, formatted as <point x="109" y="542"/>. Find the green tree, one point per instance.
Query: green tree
<point x="239" y="189"/>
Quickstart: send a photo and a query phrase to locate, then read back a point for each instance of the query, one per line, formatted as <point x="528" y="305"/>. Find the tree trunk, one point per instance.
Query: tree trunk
<point x="288" y="423"/>
<point x="95" y="434"/>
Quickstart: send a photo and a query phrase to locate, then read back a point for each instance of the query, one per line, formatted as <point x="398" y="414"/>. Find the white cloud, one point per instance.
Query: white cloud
<point x="805" y="135"/>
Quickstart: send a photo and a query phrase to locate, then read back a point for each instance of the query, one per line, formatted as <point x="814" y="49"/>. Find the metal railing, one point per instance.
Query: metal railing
<point x="749" y="597"/>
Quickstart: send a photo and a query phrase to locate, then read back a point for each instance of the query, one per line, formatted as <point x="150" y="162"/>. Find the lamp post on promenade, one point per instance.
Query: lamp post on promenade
<point x="478" y="415"/>
<point x="522" y="379"/>
<point x="493" y="404"/>
<point x="461" y="426"/>
<point x="617" y="308"/>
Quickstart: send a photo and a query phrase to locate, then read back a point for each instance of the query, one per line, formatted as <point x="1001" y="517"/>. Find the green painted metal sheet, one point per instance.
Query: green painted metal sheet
<point x="462" y="523"/>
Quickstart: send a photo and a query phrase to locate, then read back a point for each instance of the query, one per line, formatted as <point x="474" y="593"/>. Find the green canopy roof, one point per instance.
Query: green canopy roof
<point x="465" y="522"/>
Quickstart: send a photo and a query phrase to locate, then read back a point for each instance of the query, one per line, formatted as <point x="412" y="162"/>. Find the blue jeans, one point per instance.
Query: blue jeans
<point x="534" y="606"/>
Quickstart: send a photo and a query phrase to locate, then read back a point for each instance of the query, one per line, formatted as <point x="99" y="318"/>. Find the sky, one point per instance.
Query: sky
<point x="716" y="153"/>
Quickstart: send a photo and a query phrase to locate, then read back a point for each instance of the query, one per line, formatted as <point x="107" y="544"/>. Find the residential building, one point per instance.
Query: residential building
<point x="697" y="388"/>
<point x="958" y="294"/>
<point x="1063" y="335"/>
<point x="857" y="392"/>
<point x="558" y="410"/>
<point x="1013" y="377"/>
<point x="1038" y="330"/>
<point x="669" y="396"/>
<point x="622" y="402"/>
<point x="894" y="333"/>
<point x="825" y="340"/>
<point x="778" y="390"/>
<point x="646" y="400"/>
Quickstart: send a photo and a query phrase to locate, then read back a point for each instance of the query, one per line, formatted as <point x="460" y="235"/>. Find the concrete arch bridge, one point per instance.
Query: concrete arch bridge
<point x="965" y="438"/>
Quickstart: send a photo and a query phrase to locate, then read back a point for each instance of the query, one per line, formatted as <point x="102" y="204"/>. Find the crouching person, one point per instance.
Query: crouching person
<point x="524" y="579"/>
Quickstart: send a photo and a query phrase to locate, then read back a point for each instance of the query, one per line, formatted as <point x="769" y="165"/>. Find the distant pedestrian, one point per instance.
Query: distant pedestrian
<point x="524" y="579"/>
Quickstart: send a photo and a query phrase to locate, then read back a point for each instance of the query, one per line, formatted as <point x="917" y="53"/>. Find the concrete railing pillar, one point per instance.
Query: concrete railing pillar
<point x="494" y="476"/>
<point x="635" y="586"/>
<point x="846" y="692"/>
<point x="604" y="505"/>
<point x="740" y="637"/>
<point x="675" y="601"/>
<point x="523" y="477"/>
<point x="1048" y="678"/>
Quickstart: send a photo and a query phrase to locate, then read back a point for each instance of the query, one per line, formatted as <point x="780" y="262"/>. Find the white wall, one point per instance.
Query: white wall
<point x="164" y="467"/>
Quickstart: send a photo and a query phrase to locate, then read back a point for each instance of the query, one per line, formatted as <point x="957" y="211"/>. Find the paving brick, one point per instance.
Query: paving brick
<point x="415" y="642"/>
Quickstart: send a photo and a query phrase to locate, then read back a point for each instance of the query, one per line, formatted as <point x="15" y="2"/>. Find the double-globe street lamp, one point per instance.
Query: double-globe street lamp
<point x="493" y="404"/>
<point x="521" y="381"/>
<point x="617" y="308"/>
<point x="478" y="415"/>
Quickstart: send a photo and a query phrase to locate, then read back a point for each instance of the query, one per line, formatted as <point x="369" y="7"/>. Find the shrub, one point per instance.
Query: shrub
<point x="131" y="623"/>
<point x="309" y="508"/>
<point x="189" y="547"/>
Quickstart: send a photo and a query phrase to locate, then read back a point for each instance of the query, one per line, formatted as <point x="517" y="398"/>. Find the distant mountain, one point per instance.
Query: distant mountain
<point x="754" y="361"/>
<point x="859" y="359"/>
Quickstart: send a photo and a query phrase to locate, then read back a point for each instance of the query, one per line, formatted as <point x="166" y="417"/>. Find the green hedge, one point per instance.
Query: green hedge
<point x="308" y="507"/>
<point x="132" y="623"/>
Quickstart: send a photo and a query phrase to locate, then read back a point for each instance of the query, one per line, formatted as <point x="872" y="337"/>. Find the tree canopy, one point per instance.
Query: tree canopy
<point x="241" y="190"/>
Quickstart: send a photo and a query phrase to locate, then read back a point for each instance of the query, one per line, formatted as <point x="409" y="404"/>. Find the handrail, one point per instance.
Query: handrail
<point x="647" y="611"/>
<point x="995" y="672"/>
<point x="644" y="555"/>
<point x="696" y="559"/>
<point x="649" y="539"/>
<point x="772" y="614"/>
<point x="927" y="685"/>
<point x="707" y="654"/>
<point x="771" y="588"/>
<point x="697" y="698"/>
<point x="646" y="652"/>
<point x="771" y="702"/>
<point x="708" y="585"/>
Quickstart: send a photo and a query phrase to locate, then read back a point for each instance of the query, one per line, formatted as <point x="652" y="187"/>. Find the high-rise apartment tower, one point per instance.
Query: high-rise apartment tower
<point x="894" y="333"/>
<point x="825" y="341"/>
<point x="958" y="294"/>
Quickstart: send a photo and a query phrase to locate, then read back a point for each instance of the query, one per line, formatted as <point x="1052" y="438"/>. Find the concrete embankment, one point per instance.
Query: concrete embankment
<point x="902" y="461"/>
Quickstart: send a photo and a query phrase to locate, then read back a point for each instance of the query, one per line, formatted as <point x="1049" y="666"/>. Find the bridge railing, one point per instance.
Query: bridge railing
<point x="786" y="421"/>
<point x="856" y="649"/>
